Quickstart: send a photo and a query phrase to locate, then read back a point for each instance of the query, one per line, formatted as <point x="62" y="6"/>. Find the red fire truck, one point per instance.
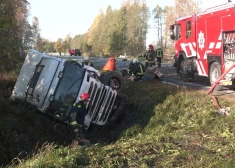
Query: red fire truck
<point x="205" y="45"/>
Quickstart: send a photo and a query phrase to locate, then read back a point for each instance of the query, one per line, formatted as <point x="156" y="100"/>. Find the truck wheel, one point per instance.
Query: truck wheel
<point x="113" y="79"/>
<point x="215" y="73"/>
<point x="183" y="71"/>
<point x="118" y="111"/>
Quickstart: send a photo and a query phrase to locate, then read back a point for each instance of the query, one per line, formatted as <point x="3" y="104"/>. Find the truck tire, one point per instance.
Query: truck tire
<point x="117" y="113"/>
<point x="113" y="79"/>
<point x="183" y="71"/>
<point x="215" y="73"/>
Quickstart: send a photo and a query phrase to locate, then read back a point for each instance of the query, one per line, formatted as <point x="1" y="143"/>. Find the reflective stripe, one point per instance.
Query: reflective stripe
<point x="79" y="125"/>
<point x="73" y="123"/>
<point x="159" y="53"/>
<point x="141" y="69"/>
<point x="78" y="105"/>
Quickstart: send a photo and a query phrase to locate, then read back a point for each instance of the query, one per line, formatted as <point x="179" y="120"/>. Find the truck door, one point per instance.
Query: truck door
<point x="188" y="32"/>
<point x="41" y="81"/>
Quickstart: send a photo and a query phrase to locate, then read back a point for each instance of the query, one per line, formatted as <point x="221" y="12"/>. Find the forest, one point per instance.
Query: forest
<point x="112" y="31"/>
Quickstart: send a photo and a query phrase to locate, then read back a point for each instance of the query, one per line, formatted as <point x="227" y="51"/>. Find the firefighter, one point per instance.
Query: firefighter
<point x="136" y="69"/>
<point x="77" y="115"/>
<point x="150" y="56"/>
<point x="159" y="54"/>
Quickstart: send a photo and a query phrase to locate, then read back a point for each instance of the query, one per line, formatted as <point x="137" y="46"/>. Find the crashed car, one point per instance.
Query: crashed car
<point x="53" y="84"/>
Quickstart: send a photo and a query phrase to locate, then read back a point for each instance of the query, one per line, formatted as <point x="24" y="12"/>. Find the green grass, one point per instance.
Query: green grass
<point x="164" y="126"/>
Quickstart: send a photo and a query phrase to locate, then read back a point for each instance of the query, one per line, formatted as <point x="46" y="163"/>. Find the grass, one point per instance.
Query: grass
<point x="164" y="126"/>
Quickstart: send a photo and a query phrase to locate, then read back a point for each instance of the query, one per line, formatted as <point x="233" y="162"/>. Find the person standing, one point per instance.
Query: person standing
<point x="150" y="56"/>
<point x="159" y="53"/>
<point x="78" y="113"/>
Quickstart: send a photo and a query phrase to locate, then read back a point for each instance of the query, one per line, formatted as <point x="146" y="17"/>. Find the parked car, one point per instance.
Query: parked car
<point x="124" y="56"/>
<point x="75" y="52"/>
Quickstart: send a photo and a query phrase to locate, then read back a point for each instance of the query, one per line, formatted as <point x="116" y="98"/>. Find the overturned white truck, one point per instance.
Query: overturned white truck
<point x="54" y="84"/>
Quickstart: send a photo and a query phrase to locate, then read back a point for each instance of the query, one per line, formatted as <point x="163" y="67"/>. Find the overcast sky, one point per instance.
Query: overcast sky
<point x="57" y="18"/>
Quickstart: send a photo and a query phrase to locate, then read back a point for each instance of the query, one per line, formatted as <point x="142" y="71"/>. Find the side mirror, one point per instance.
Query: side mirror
<point x="172" y="35"/>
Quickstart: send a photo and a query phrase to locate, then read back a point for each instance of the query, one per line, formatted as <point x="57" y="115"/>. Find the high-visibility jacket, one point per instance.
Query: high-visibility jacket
<point x="150" y="56"/>
<point x="136" y="69"/>
<point x="77" y="115"/>
<point x="159" y="53"/>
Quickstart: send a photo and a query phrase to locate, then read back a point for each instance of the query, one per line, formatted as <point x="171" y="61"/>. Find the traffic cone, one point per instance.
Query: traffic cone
<point x="110" y="65"/>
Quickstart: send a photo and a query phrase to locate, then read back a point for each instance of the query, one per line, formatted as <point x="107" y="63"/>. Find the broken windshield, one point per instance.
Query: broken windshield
<point x="67" y="89"/>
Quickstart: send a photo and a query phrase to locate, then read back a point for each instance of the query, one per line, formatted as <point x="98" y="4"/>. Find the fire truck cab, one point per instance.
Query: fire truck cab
<point x="205" y="45"/>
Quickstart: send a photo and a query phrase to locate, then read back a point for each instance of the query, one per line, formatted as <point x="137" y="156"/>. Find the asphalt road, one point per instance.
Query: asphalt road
<point x="169" y="74"/>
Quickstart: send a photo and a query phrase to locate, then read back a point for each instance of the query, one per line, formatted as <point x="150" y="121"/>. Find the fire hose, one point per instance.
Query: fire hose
<point x="215" y="100"/>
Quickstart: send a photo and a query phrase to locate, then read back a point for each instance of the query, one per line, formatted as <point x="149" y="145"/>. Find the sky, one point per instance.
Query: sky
<point x="58" y="18"/>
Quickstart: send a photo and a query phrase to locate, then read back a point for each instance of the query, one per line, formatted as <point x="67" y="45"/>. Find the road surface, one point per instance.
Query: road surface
<point x="169" y="76"/>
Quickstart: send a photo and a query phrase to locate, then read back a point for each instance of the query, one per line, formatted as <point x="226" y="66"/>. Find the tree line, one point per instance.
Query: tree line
<point x="113" y="31"/>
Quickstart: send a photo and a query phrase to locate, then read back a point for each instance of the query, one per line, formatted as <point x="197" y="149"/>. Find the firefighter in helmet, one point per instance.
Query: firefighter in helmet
<point x="78" y="113"/>
<point x="150" y="56"/>
<point x="159" y="53"/>
<point x="136" y="69"/>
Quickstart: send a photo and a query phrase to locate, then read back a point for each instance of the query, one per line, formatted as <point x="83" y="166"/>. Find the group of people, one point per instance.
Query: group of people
<point x="137" y="69"/>
<point x="151" y="55"/>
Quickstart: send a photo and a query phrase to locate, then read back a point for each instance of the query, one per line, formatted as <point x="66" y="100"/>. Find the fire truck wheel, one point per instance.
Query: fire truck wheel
<point x="113" y="79"/>
<point x="182" y="71"/>
<point x="215" y="73"/>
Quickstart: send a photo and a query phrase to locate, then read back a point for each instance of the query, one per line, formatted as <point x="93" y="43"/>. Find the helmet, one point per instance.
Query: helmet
<point x="159" y="47"/>
<point x="135" y="60"/>
<point x="151" y="47"/>
<point x="84" y="97"/>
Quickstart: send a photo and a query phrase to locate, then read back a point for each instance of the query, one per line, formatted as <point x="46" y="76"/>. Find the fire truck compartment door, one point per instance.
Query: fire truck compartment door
<point x="41" y="81"/>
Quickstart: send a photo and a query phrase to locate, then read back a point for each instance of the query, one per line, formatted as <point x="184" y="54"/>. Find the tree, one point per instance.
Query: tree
<point x="64" y="46"/>
<point x="68" y="38"/>
<point x="13" y="22"/>
<point x="59" y="45"/>
<point x="159" y="18"/>
<point x="36" y="33"/>
<point x="137" y="18"/>
<point x="124" y="30"/>
<point x="184" y="8"/>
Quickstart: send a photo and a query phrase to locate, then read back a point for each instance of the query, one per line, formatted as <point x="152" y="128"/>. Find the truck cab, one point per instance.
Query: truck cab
<point x="53" y="84"/>
<point x="183" y="32"/>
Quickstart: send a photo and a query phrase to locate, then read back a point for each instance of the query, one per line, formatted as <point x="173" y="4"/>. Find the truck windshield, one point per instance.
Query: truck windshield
<point x="67" y="89"/>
